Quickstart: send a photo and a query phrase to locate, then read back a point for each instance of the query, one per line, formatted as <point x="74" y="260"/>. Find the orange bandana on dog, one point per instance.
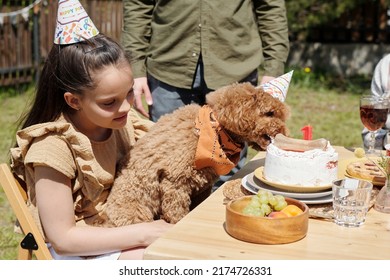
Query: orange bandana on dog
<point x="215" y="147"/>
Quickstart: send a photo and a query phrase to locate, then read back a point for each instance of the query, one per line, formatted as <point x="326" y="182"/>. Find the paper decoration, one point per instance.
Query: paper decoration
<point x="73" y="23"/>
<point x="278" y="87"/>
<point x="25" y="13"/>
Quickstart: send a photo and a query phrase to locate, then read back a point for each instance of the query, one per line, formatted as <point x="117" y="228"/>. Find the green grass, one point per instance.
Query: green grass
<point x="12" y="104"/>
<point x="333" y="115"/>
<point x="330" y="106"/>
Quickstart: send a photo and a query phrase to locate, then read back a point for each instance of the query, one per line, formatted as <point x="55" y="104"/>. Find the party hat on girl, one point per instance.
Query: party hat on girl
<point x="73" y="23"/>
<point x="278" y="87"/>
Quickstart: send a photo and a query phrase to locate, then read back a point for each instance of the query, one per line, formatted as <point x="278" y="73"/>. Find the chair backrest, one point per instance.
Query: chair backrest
<point x="33" y="242"/>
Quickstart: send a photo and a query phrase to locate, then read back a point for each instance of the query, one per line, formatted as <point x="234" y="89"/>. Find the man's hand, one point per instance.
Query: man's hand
<point x="141" y="87"/>
<point x="266" y="79"/>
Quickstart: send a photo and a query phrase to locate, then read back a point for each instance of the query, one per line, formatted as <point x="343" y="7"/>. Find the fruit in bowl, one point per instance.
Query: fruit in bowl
<point x="264" y="203"/>
<point x="277" y="214"/>
<point x="277" y="225"/>
<point x="291" y="210"/>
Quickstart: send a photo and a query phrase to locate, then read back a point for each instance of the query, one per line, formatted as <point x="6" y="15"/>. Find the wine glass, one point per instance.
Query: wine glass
<point x="373" y="114"/>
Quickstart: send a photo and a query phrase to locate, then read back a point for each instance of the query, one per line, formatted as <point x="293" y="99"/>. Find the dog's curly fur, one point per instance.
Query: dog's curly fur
<point x="158" y="178"/>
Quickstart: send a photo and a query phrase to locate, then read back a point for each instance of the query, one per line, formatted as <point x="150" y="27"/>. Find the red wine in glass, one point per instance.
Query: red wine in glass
<point x="373" y="118"/>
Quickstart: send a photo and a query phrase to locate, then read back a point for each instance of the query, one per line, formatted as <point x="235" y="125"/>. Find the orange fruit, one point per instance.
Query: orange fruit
<point x="292" y="210"/>
<point x="277" y="214"/>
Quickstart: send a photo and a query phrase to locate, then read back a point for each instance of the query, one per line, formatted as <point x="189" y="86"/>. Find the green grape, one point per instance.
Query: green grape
<point x="266" y="208"/>
<point x="260" y="193"/>
<point x="280" y="205"/>
<point x="255" y="198"/>
<point x="263" y="203"/>
<point x="255" y="202"/>
<point x="248" y="210"/>
<point x="263" y="199"/>
<point x="272" y="201"/>
<point x="264" y="196"/>
<point x="269" y="194"/>
<point x="253" y="211"/>
<point x="258" y="212"/>
<point x="279" y="197"/>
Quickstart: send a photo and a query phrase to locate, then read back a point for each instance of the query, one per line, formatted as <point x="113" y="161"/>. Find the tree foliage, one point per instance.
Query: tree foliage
<point x="305" y="14"/>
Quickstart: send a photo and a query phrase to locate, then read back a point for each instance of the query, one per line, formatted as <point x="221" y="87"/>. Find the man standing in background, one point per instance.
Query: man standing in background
<point x="183" y="49"/>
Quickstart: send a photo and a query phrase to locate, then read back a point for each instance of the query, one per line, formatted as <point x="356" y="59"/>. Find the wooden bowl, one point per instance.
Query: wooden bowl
<point x="264" y="230"/>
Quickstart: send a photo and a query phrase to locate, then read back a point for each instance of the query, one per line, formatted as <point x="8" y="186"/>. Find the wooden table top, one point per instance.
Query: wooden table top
<point x="201" y="234"/>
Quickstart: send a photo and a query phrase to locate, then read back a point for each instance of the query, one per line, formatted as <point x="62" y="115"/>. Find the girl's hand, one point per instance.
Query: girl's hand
<point x="155" y="230"/>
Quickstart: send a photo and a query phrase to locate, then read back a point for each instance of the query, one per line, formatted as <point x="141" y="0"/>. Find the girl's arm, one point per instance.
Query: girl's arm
<point x="55" y="204"/>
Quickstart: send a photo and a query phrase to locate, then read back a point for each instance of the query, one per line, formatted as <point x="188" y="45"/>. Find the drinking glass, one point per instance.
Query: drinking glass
<point x="373" y="114"/>
<point x="351" y="200"/>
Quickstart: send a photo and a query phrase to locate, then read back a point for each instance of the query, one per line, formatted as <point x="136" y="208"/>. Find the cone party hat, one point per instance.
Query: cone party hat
<point x="278" y="87"/>
<point x="73" y="23"/>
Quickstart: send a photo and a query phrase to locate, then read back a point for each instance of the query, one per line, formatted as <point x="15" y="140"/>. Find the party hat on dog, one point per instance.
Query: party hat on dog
<point x="278" y="87"/>
<point x="73" y="23"/>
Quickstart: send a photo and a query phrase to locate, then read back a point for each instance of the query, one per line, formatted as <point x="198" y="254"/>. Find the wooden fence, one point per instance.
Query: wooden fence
<point x="26" y="38"/>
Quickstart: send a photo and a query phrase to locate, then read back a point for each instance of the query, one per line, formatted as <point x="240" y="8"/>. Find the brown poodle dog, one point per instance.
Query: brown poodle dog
<point x="159" y="178"/>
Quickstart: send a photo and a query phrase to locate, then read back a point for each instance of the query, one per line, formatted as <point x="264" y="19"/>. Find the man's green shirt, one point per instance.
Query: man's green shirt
<point x="166" y="37"/>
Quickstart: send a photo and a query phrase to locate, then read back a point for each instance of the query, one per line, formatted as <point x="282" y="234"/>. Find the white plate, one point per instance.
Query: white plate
<point x="314" y="200"/>
<point x="259" y="174"/>
<point x="256" y="183"/>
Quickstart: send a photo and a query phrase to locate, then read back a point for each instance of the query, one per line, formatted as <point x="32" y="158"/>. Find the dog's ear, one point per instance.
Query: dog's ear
<point x="212" y="98"/>
<point x="225" y="94"/>
<point x="215" y="97"/>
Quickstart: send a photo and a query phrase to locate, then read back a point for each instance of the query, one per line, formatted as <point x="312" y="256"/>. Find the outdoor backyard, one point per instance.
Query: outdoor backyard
<point x="329" y="105"/>
<point x="334" y="48"/>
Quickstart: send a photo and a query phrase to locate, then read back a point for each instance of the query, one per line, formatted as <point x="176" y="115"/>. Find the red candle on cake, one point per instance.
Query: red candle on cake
<point x="307" y="132"/>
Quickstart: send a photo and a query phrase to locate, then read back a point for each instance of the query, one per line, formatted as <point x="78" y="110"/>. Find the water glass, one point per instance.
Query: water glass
<point x="351" y="200"/>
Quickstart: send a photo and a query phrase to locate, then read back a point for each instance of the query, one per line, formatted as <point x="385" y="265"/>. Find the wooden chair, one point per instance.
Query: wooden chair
<point x="33" y="242"/>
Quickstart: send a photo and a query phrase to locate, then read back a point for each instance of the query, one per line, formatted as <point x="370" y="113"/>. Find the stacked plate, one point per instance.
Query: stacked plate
<point x="255" y="181"/>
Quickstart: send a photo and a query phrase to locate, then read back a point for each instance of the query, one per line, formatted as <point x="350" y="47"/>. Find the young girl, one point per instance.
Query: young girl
<point x="80" y="125"/>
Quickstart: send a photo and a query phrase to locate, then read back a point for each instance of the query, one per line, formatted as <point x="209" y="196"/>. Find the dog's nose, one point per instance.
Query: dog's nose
<point x="266" y="137"/>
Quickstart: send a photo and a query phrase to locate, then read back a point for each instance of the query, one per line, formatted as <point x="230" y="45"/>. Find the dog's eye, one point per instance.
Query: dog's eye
<point x="269" y="114"/>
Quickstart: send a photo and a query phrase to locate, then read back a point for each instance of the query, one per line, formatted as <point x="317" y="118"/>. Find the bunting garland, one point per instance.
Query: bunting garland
<point x="25" y="13"/>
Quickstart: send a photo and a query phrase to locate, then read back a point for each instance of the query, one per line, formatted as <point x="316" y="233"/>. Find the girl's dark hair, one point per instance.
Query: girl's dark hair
<point x="68" y="68"/>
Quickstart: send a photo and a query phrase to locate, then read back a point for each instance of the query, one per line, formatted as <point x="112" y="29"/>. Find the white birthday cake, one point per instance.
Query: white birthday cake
<point x="310" y="166"/>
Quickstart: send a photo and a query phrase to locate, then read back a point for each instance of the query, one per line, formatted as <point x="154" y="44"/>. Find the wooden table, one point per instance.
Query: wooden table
<point x="201" y="235"/>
